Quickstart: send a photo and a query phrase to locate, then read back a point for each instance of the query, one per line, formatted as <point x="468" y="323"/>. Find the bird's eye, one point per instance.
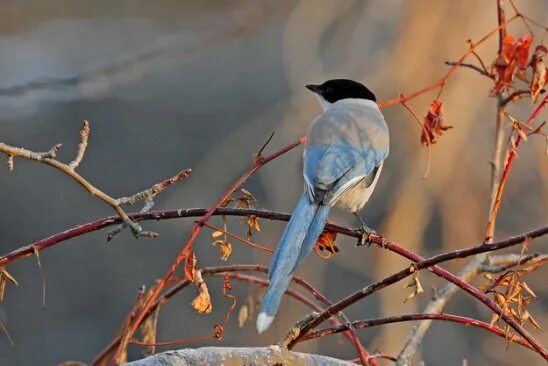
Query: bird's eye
<point x="328" y="90"/>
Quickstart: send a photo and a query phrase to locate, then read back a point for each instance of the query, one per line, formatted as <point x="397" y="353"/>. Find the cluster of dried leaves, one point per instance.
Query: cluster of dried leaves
<point x="513" y="295"/>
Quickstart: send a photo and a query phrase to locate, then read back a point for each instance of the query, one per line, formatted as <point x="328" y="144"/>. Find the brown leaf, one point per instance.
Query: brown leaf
<point x="202" y="302"/>
<point x="148" y="330"/>
<point x="514" y="56"/>
<point x="225" y="248"/>
<point x="246" y="200"/>
<point x="243" y="315"/>
<point x="5" y="277"/>
<point x="416" y="285"/>
<point x="216" y="234"/>
<point x="326" y="242"/>
<point x="252" y="223"/>
<point x="540" y="72"/>
<point x="433" y="123"/>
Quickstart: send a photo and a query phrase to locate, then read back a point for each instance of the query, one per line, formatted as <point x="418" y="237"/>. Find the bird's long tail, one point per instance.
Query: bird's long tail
<point x="298" y="239"/>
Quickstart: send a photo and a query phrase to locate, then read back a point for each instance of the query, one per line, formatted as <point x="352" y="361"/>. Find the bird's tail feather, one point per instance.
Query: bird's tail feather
<point x="298" y="239"/>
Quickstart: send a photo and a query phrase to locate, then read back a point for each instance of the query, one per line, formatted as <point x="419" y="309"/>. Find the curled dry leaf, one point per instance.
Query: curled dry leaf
<point x="148" y="330"/>
<point x="433" y="123"/>
<point x="5" y="277"/>
<point x="512" y="60"/>
<point x="246" y="200"/>
<point x="540" y="72"/>
<point x="218" y="329"/>
<point x="202" y="302"/>
<point x="326" y="242"/>
<point x="519" y="127"/>
<point x="252" y="224"/>
<point x="243" y="315"/>
<point x="416" y="285"/>
<point x="225" y="248"/>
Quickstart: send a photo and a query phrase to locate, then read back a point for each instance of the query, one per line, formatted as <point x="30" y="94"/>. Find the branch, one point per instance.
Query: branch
<point x="419" y="264"/>
<point x="491" y="264"/>
<point x="368" y="323"/>
<point x="187" y="251"/>
<point x="272" y="355"/>
<point x="356" y="233"/>
<point x="48" y="158"/>
<point x="441" y="82"/>
<point x="471" y="66"/>
<point x="234" y="272"/>
<point x="511" y="155"/>
<point x="100" y="224"/>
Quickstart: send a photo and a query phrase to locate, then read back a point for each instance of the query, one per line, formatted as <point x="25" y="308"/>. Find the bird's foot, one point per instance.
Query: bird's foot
<point x="365" y="238"/>
<point x="367" y="233"/>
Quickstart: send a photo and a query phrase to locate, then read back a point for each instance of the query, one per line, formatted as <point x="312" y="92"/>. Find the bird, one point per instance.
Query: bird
<point x="345" y="149"/>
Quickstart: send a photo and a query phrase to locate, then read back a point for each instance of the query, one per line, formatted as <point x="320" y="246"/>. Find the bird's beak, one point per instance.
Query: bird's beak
<point x="315" y="88"/>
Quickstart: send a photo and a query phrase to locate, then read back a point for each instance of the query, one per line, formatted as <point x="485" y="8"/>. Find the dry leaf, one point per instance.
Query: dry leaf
<point x="225" y="247"/>
<point x="148" y="330"/>
<point x="252" y="223"/>
<point x="513" y="60"/>
<point x="216" y="234"/>
<point x="416" y="285"/>
<point x="246" y="200"/>
<point x="540" y="73"/>
<point x="243" y="315"/>
<point x="202" y="302"/>
<point x="518" y="127"/>
<point x="326" y="242"/>
<point x="5" y="277"/>
<point x="433" y="123"/>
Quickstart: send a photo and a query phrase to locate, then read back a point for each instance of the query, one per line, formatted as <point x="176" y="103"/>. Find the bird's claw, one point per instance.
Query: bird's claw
<point x="365" y="238"/>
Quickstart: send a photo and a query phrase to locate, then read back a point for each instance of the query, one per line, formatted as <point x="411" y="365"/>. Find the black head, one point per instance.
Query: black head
<point x="337" y="89"/>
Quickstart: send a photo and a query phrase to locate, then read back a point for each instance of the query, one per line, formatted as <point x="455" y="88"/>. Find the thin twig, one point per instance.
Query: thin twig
<point x="440" y="82"/>
<point x="68" y="169"/>
<point x="426" y="134"/>
<point x="471" y="66"/>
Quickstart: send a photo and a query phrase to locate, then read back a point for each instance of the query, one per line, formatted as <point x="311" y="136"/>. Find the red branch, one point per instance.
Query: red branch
<point x="441" y="82"/>
<point x="419" y="264"/>
<point x="233" y="271"/>
<point x="79" y="230"/>
<point x="412" y="317"/>
<point x="512" y="153"/>
<point x="159" y="215"/>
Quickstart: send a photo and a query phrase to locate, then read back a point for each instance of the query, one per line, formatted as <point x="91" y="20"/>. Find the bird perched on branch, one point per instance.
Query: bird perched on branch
<point x="343" y="157"/>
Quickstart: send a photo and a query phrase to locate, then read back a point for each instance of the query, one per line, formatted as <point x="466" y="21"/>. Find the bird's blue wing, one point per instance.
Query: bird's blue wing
<point x="345" y="145"/>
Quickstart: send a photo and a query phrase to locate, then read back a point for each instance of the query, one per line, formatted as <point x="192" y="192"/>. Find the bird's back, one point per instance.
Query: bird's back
<point x="345" y="143"/>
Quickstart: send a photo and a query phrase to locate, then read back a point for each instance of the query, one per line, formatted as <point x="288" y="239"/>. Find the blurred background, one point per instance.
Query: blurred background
<point x="201" y="85"/>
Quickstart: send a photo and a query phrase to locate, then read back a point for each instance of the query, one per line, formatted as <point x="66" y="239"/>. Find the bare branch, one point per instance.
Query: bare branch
<point x="84" y="136"/>
<point x="69" y="169"/>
